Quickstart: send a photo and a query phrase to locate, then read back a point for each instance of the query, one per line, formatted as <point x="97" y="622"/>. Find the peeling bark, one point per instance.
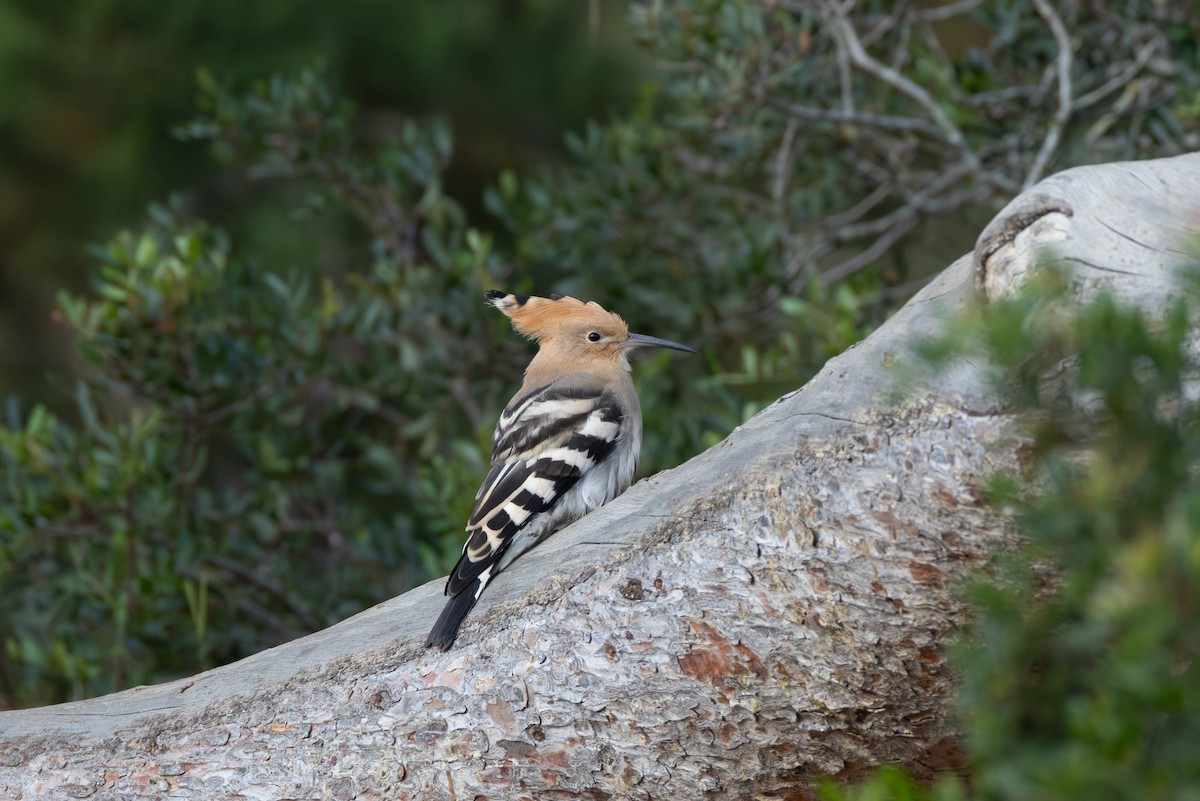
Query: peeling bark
<point x="772" y="610"/>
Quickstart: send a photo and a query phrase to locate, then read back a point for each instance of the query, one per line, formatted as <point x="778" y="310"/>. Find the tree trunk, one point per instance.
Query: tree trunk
<point x="773" y="610"/>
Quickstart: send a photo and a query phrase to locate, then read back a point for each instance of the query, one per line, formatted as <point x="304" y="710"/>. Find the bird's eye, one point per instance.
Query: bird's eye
<point x="594" y="337"/>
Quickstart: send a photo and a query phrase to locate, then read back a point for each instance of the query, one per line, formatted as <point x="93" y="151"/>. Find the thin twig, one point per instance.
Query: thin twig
<point x="1118" y="81"/>
<point x="233" y="407"/>
<point x="859" y="56"/>
<point x="914" y="203"/>
<point x="1011" y="94"/>
<point x="782" y="165"/>
<point x="884" y="121"/>
<point x="945" y="12"/>
<point x="883" y="23"/>
<point x="1063" y="113"/>
<point x="262" y="582"/>
<point x="894" y="225"/>
<point x="853" y="214"/>
<point x="781" y="169"/>
<point x="845" y="81"/>
<point x="854" y="264"/>
<point x="739" y="194"/>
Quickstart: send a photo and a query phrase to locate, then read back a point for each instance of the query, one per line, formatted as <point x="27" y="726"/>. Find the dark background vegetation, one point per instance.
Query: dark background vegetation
<point x="266" y="402"/>
<point x="92" y="92"/>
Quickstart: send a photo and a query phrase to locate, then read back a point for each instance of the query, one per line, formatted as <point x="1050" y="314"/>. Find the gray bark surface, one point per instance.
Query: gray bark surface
<point x="773" y="610"/>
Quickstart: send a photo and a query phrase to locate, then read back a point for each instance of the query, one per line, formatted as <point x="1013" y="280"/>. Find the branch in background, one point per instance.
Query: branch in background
<point x="869" y="62"/>
<point x="1063" y="74"/>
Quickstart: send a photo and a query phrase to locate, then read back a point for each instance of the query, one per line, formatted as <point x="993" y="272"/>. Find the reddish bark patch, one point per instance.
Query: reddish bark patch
<point x="517" y="749"/>
<point x="751" y="660"/>
<point x="926" y="573"/>
<point x="727" y="733"/>
<point x="719" y="659"/>
<point x="894" y="524"/>
<point x="502" y="715"/>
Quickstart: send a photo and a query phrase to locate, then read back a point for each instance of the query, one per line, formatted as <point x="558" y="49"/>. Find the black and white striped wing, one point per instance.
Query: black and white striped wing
<point x="544" y="444"/>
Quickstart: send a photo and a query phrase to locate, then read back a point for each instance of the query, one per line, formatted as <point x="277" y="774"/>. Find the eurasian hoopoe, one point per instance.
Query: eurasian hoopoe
<point x="567" y="443"/>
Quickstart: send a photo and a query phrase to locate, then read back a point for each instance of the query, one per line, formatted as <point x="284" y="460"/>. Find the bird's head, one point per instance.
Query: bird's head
<point x="573" y="328"/>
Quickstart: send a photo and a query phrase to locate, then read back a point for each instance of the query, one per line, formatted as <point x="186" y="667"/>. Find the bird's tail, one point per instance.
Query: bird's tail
<point x="453" y="614"/>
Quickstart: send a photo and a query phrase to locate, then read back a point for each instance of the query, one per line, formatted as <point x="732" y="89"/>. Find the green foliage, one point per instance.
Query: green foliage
<point x="261" y="452"/>
<point x="1079" y="671"/>
<point x="1080" y="679"/>
<point x="91" y="92"/>
<point x="890" y="783"/>
<point x="258" y="456"/>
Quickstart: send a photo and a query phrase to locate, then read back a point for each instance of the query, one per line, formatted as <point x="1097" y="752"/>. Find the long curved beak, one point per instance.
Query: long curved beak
<point x="643" y="341"/>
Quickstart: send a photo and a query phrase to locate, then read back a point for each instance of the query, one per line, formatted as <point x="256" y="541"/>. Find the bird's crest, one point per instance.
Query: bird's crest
<point x="542" y="318"/>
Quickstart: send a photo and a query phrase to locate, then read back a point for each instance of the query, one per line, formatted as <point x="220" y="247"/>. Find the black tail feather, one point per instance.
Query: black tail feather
<point x="455" y="612"/>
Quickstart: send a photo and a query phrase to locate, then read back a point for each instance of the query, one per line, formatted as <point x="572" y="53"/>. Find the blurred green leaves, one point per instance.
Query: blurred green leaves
<point x="1078" y="673"/>
<point x="260" y="452"/>
<point x="1079" y="678"/>
<point x="91" y="93"/>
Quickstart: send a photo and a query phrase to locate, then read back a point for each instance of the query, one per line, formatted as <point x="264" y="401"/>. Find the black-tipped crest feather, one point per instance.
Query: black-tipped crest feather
<point x="546" y="317"/>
